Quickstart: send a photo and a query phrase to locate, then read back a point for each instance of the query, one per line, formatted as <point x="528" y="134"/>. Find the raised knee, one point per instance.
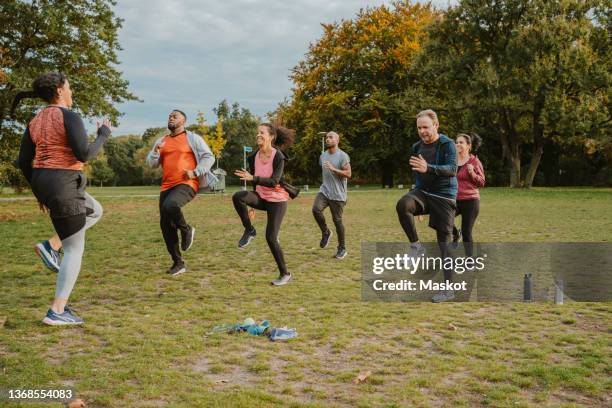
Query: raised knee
<point x="237" y="196"/>
<point x="98" y="211"/>
<point x="400" y="207"/>
<point x="170" y="207"/>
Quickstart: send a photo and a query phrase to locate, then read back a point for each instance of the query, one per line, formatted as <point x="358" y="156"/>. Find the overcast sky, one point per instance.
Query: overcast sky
<point x="192" y="54"/>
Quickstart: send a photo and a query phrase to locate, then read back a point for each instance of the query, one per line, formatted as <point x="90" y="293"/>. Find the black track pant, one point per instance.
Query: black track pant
<point x="321" y="202"/>
<point x="171" y="217"/>
<point x="275" y="211"/>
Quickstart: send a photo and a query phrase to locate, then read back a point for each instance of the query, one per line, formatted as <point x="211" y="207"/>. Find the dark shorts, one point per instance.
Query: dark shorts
<point x="441" y="210"/>
<point x="61" y="191"/>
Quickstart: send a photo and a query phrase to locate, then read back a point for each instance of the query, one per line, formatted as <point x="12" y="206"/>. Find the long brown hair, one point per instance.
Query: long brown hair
<point x="282" y="137"/>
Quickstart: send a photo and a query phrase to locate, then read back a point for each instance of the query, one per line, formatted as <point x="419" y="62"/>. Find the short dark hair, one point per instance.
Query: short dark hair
<point x="181" y="112"/>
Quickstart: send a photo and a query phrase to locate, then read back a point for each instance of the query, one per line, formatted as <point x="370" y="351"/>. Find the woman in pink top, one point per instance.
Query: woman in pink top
<point x="267" y="165"/>
<point x="470" y="176"/>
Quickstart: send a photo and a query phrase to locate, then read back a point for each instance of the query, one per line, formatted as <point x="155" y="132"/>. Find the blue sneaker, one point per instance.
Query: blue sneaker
<point x="62" y="319"/>
<point x="50" y="257"/>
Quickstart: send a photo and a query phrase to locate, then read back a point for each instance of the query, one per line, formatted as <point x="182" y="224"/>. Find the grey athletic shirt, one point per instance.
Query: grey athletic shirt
<point x="334" y="186"/>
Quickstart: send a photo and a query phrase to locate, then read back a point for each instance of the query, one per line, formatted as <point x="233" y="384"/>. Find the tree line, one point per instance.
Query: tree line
<point x="531" y="77"/>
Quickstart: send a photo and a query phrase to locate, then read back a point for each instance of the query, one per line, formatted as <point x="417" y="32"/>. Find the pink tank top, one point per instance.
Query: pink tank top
<point x="274" y="194"/>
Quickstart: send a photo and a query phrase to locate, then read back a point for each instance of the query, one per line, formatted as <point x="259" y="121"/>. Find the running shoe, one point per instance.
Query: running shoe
<point x="62" y="319"/>
<point x="443" y="296"/>
<point x="177" y="268"/>
<point x="456" y="238"/>
<point x="50" y="257"/>
<point x="417" y="249"/>
<point x="340" y="254"/>
<point x="187" y="238"/>
<point x="282" y="280"/>
<point x="247" y="237"/>
<point x="325" y="238"/>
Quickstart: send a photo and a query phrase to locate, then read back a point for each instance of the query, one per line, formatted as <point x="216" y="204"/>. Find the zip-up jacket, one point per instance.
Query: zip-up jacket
<point x="204" y="158"/>
<point x="444" y="183"/>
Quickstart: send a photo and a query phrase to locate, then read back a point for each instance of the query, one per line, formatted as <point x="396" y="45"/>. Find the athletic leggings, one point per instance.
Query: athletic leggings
<point x="74" y="246"/>
<point x="468" y="209"/>
<point x="276" y="212"/>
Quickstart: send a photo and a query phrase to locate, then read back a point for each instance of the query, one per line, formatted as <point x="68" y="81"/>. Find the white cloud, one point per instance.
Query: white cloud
<point x="191" y="54"/>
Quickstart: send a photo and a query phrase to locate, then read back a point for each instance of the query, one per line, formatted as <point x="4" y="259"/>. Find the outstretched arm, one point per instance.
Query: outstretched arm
<point x="77" y="136"/>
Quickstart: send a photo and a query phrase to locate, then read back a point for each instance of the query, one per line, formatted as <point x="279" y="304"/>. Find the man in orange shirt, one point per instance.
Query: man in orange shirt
<point x="184" y="158"/>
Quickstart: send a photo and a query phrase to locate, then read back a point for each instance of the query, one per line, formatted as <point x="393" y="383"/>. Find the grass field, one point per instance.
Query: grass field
<point x="145" y="341"/>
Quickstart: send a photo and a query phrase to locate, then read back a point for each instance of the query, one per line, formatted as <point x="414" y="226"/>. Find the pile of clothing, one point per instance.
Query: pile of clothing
<point x="262" y="328"/>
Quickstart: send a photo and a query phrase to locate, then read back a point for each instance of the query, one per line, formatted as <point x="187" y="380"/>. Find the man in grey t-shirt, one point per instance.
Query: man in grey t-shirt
<point x="336" y="166"/>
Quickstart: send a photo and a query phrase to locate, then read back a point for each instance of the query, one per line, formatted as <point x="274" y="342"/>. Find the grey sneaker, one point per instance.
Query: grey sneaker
<point x="177" y="268"/>
<point x="282" y="280"/>
<point x="340" y="254"/>
<point x="443" y="296"/>
<point x="417" y="249"/>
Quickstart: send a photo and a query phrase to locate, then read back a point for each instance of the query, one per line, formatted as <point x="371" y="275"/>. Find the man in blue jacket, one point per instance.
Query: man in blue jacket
<point x="434" y="161"/>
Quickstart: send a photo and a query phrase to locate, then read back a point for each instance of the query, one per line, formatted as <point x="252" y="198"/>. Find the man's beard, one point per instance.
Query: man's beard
<point x="172" y="127"/>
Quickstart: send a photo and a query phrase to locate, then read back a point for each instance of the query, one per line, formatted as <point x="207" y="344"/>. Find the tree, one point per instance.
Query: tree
<point x="240" y="127"/>
<point x="530" y="71"/>
<point x="76" y="37"/>
<point x="149" y="175"/>
<point x="218" y="141"/>
<point x="153" y="134"/>
<point x="100" y="172"/>
<point x="356" y="80"/>
<point x="121" y="157"/>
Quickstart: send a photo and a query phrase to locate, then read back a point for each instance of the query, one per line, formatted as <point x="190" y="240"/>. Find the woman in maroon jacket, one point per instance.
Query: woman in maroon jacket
<point x="470" y="176"/>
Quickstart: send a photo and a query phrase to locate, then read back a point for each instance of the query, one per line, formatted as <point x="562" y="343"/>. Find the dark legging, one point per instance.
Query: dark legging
<point x="276" y="212"/>
<point x="468" y="209"/>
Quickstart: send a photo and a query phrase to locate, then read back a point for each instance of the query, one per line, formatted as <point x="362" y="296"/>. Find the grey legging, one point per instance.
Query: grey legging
<point x="73" y="246"/>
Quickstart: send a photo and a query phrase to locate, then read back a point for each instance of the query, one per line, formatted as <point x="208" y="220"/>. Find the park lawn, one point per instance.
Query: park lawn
<point x="146" y="340"/>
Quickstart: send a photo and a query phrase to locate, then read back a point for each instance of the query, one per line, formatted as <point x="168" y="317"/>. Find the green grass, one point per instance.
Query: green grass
<point x="145" y="342"/>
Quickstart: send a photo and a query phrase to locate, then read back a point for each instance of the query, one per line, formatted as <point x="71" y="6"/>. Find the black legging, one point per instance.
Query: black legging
<point x="468" y="209"/>
<point x="276" y="212"/>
